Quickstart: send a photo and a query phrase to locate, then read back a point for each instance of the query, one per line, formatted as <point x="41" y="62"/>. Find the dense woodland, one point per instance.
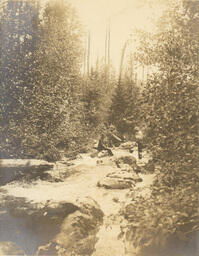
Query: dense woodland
<point x="48" y="105"/>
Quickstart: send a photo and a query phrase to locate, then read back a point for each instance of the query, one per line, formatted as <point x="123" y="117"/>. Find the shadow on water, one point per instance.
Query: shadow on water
<point x="30" y="226"/>
<point x="28" y="174"/>
<point x="14" y="230"/>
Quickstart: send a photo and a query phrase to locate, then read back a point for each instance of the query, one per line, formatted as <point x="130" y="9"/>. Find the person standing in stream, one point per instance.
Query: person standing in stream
<point x="139" y="138"/>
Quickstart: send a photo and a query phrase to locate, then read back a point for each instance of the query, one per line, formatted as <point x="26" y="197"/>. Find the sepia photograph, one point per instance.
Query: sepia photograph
<point x="99" y="128"/>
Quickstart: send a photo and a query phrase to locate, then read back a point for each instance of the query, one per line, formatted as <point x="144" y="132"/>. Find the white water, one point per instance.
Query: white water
<point x="83" y="183"/>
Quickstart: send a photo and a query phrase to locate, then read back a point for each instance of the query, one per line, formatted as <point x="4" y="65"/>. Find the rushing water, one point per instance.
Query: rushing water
<point x="82" y="183"/>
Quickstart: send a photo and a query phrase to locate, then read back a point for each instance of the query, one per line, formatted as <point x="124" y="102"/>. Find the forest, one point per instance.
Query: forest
<point x="51" y="102"/>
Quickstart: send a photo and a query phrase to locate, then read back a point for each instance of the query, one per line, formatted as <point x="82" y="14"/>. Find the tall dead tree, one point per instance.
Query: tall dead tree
<point x="88" y="54"/>
<point x="109" y="45"/>
<point x="106" y="39"/>
<point x="85" y="57"/>
<point x="122" y="62"/>
<point x="107" y="53"/>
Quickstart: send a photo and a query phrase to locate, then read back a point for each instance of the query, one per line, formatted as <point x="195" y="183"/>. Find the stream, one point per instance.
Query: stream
<point x="81" y="183"/>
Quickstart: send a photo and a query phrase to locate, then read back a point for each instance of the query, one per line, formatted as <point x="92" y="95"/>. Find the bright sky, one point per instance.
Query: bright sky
<point x="124" y="16"/>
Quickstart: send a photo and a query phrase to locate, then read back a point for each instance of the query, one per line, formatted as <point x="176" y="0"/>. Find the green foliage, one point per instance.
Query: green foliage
<point x="169" y="108"/>
<point x="40" y="86"/>
<point x="97" y="93"/>
<point x="164" y="223"/>
<point x="18" y="38"/>
<point x="124" y="104"/>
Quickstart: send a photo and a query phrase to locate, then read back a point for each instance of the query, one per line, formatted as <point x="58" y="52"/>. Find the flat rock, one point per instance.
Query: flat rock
<point x="125" y="175"/>
<point x="115" y="183"/>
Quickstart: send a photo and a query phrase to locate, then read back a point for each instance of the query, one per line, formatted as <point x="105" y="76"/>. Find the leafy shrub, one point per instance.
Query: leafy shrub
<point x="166" y="222"/>
<point x="39" y="104"/>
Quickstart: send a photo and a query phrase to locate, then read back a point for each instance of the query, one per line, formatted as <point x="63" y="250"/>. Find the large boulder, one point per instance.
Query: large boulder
<point x="77" y="235"/>
<point x="10" y="248"/>
<point x="32" y="224"/>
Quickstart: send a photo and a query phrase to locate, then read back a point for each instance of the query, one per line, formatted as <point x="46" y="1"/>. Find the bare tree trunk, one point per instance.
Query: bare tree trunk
<point x="88" y="54"/>
<point x="85" y="57"/>
<point x="121" y="62"/>
<point x="109" y="38"/>
<point x="106" y="39"/>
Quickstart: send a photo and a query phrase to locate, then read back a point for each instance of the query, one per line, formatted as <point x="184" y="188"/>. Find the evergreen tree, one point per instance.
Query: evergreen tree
<point x="124" y="103"/>
<point x="18" y="38"/>
<point x="40" y="108"/>
<point x="55" y="114"/>
<point x="97" y="95"/>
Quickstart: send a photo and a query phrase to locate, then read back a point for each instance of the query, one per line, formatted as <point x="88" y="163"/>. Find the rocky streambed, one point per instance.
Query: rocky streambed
<point x="75" y="210"/>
